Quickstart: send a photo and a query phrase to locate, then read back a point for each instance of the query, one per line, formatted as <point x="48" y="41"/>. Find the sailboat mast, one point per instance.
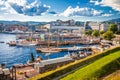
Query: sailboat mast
<point x="48" y="38"/>
<point x="57" y="38"/>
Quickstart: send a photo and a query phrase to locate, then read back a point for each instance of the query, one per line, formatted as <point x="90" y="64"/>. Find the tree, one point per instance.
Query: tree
<point x="88" y="32"/>
<point x="32" y="57"/>
<point x="102" y="32"/>
<point x="95" y="33"/>
<point x="113" y="28"/>
<point x="108" y="35"/>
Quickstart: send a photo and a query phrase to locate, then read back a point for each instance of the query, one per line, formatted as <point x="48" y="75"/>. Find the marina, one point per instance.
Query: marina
<point x="59" y="39"/>
<point x="17" y="58"/>
<point x="15" y="54"/>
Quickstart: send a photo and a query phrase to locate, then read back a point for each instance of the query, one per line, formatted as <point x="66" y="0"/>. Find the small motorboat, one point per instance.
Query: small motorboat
<point x="2" y="42"/>
<point x="12" y="43"/>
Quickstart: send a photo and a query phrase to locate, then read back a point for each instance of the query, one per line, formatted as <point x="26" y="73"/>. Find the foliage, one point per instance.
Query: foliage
<point x="97" y="69"/>
<point x="88" y="32"/>
<point x="67" y="68"/>
<point x="108" y="35"/>
<point x="102" y="32"/>
<point x="113" y="28"/>
<point x="95" y="33"/>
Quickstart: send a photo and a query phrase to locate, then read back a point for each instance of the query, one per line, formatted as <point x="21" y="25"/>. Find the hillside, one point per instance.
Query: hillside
<point x="97" y="69"/>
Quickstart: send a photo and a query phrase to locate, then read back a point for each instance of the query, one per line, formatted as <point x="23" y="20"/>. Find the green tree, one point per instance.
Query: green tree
<point x="113" y="28"/>
<point x="95" y="33"/>
<point x="88" y="32"/>
<point x="102" y="32"/>
<point x="108" y="35"/>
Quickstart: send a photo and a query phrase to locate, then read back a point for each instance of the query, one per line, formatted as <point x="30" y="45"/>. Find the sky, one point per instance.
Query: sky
<point x="51" y="10"/>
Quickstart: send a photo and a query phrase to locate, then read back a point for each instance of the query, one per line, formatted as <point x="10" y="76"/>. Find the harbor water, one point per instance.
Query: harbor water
<point x="11" y="55"/>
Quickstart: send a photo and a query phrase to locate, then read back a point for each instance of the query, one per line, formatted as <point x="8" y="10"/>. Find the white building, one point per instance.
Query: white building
<point x="99" y="26"/>
<point x="67" y="26"/>
<point x="94" y="25"/>
<point x="69" y="29"/>
<point x="104" y="26"/>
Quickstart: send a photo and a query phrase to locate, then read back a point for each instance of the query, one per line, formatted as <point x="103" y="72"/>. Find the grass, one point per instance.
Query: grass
<point x="96" y="69"/>
<point x="69" y="67"/>
<point x="113" y="76"/>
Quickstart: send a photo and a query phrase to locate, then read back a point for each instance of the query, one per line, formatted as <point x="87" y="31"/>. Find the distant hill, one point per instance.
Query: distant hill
<point x="22" y="23"/>
<point x="114" y="20"/>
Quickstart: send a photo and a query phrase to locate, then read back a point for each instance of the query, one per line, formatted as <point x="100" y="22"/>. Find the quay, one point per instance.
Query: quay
<point x="51" y="49"/>
<point x="55" y="50"/>
<point x="65" y="42"/>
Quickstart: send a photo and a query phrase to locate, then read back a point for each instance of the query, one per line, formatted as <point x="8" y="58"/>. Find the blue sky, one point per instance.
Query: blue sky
<point x="51" y="10"/>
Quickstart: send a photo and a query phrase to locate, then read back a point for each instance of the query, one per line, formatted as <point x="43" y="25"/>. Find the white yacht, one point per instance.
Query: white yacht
<point x="16" y="31"/>
<point x="25" y="43"/>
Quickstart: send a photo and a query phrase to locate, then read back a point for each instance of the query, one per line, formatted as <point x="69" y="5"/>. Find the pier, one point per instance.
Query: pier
<point x="56" y="50"/>
<point x="66" y="42"/>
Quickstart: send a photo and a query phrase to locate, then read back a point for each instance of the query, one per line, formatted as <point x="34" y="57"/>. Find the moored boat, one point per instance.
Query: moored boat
<point x="12" y="43"/>
<point x="2" y="42"/>
<point x="26" y="44"/>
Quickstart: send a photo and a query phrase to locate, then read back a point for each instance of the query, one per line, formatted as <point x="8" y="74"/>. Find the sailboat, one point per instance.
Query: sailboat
<point x="25" y="43"/>
<point x="50" y="49"/>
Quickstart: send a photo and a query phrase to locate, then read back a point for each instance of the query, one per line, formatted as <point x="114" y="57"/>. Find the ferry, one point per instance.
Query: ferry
<point x="16" y="31"/>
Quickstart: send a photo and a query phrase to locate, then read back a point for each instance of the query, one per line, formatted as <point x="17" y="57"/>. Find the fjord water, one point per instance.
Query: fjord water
<point x="11" y="55"/>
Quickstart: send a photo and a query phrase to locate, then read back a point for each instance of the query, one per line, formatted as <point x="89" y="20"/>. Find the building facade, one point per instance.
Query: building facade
<point x="69" y="26"/>
<point x="99" y="26"/>
<point x="104" y="27"/>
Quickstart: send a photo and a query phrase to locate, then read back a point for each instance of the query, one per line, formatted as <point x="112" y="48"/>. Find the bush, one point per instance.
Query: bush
<point x="109" y="35"/>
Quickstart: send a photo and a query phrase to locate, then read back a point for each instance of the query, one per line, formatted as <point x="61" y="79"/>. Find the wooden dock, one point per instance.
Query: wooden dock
<point x="67" y="42"/>
<point x="51" y="50"/>
<point x="56" y="50"/>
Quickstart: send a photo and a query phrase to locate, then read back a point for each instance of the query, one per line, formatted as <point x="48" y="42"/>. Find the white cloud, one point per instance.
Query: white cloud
<point x="106" y="15"/>
<point x="114" y="4"/>
<point x="18" y="2"/>
<point x="77" y="11"/>
<point x="96" y="2"/>
<point x="2" y="2"/>
<point x="23" y="7"/>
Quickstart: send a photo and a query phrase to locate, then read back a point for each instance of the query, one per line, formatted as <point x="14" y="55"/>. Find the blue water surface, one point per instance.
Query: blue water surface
<point x="11" y="55"/>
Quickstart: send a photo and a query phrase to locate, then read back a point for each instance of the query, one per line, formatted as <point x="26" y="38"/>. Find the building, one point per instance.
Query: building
<point x="4" y="72"/>
<point x="99" y="26"/>
<point x="104" y="26"/>
<point x="118" y="25"/>
<point x="69" y="26"/>
<point x="68" y="29"/>
<point x="51" y="64"/>
<point x="94" y="25"/>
